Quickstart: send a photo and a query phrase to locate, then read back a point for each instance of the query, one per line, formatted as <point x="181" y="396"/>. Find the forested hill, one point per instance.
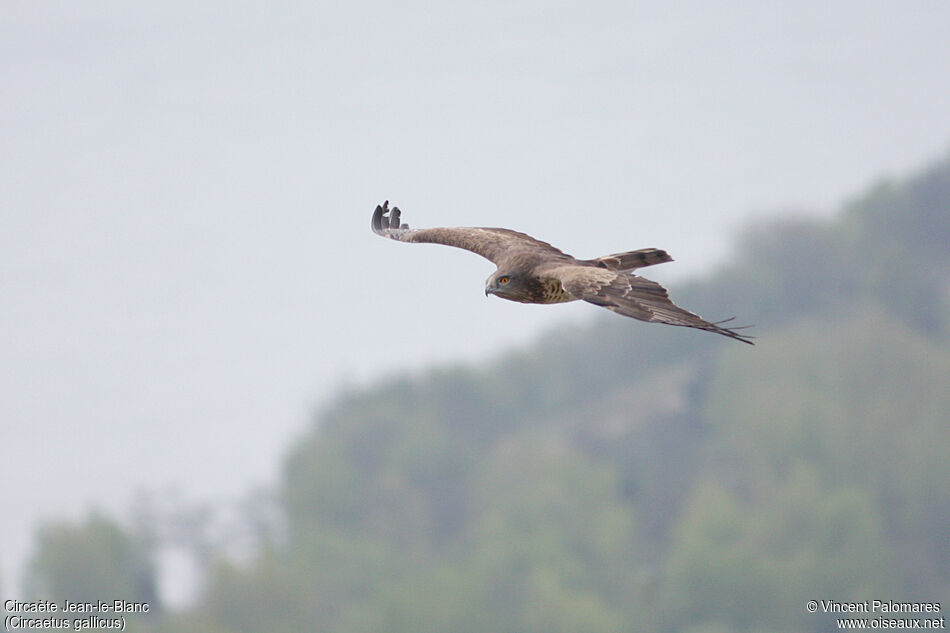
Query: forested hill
<point x="634" y="477"/>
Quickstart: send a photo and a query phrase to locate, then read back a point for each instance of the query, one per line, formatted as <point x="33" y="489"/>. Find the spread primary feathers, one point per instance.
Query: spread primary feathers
<point x="532" y="271"/>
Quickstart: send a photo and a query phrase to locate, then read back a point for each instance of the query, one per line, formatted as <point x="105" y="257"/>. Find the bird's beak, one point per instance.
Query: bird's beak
<point x="489" y="290"/>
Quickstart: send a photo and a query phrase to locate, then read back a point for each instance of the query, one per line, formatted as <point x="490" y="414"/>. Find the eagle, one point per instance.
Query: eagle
<point x="532" y="271"/>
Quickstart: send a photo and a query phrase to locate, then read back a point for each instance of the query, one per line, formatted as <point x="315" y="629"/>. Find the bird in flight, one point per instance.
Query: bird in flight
<point x="532" y="271"/>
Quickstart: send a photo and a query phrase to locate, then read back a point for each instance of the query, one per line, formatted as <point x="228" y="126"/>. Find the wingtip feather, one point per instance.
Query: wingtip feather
<point x="386" y="219"/>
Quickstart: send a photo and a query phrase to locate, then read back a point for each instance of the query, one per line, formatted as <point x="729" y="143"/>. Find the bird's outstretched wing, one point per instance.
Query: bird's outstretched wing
<point x="633" y="259"/>
<point x="634" y="296"/>
<point x="490" y="243"/>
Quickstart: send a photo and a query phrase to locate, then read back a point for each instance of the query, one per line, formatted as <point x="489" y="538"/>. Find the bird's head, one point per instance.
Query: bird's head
<point x="504" y="284"/>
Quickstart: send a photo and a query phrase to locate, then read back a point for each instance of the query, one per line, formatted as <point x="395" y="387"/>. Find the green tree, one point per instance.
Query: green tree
<point x="753" y="565"/>
<point x="553" y="541"/>
<point x="862" y="399"/>
<point x="90" y="561"/>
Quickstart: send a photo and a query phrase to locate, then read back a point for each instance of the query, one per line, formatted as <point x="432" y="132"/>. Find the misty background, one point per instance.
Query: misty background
<point x="186" y="267"/>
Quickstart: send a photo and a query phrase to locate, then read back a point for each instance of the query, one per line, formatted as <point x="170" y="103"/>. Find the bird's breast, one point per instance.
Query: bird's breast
<point x="549" y="290"/>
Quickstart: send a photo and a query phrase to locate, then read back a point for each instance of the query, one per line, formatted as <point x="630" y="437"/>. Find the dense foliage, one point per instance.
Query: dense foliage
<point x="628" y="477"/>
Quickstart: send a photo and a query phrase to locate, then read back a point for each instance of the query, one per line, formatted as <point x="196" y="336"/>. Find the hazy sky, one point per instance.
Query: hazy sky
<point x="186" y="266"/>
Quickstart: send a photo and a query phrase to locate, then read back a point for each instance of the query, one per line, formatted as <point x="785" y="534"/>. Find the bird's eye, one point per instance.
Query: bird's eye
<point x="504" y="280"/>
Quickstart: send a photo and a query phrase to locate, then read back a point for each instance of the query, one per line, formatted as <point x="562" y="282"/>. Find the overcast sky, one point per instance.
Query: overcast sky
<point x="186" y="266"/>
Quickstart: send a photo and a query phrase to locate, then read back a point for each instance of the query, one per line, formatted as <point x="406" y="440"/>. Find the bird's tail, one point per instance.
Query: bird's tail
<point x="632" y="260"/>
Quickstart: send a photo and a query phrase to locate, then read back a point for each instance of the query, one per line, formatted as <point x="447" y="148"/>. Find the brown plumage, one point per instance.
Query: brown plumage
<point x="532" y="271"/>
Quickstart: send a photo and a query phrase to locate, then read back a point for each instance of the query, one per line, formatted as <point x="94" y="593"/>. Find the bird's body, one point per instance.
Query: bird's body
<point x="532" y="271"/>
<point x="540" y="286"/>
